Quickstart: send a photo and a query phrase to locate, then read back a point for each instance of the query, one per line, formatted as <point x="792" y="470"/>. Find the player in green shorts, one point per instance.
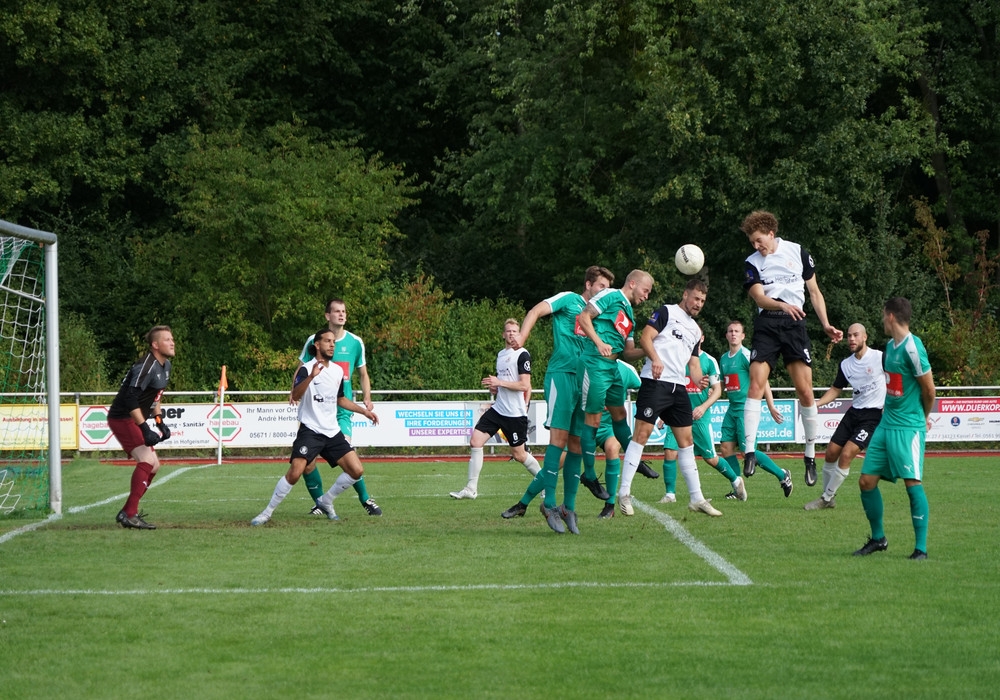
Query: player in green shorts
<point x="349" y="354"/>
<point x="702" y="397"/>
<point x="896" y="450"/>
<point x="562" y="398"/>
<point x="734" y="366"/>
<point x="612" y="456"/>
<point x="608" y="321"/>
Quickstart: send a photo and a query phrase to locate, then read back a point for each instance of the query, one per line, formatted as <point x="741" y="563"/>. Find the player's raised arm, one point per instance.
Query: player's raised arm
<point x="819" y="306"/>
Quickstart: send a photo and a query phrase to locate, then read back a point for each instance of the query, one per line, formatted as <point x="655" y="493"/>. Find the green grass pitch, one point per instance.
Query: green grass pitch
<point x="444" y="599"/>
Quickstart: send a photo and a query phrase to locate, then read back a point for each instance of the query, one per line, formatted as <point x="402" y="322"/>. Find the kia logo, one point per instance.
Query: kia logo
<point x="832" y="424"/>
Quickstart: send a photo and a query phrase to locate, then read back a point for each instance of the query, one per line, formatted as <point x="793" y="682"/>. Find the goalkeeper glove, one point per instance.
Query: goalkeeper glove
<point x="148" y="436"/>
<point x="162" y="427"/>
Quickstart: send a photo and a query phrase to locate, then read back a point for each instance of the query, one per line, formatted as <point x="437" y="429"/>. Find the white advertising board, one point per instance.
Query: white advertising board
<point x="450" y="423"/>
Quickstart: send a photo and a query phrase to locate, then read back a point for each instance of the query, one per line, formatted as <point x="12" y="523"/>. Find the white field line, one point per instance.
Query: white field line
<point x="80" y="509"/>
<point x="367" y="589"/>
<point x="735" y="576"/>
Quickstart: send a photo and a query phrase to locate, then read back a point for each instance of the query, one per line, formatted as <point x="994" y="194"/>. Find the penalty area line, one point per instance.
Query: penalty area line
<point x="365" y="589"/>
<point x="699" y="548"/>
<point x="6" y="537"/>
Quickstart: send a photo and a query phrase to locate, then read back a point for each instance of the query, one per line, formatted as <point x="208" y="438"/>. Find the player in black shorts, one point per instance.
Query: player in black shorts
<point x="777" y="276"/>
<point x="862" y="371"/>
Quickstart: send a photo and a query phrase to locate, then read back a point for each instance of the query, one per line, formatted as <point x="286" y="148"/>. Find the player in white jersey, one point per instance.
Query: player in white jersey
<point x="672" y="343"/>
<point x="509" y="413"/>
<point x="349" y="354"/>
<point x="319" y="391"/>
<point x="777" y="276"/>
<point x="862" y="371"/>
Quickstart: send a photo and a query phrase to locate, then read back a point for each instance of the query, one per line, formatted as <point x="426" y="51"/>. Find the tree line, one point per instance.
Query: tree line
<point x="226" y="167"/>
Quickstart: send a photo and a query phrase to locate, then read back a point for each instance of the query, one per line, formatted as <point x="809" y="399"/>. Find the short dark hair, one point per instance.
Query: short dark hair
<point x="311" y="350"/>
<point x="595" y="271"/>
<point x="759" y="220"/>
<point x="900" y="308"/>
<point x="153" y="333"/>
<point x="696" y="284"/>
<point x="333" y="301"/>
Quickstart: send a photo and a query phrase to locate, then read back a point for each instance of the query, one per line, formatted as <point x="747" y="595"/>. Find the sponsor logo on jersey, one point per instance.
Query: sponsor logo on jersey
<point x="894" y="384"/>
<point x="732" y="382"/>
<point x="623" y="324"/>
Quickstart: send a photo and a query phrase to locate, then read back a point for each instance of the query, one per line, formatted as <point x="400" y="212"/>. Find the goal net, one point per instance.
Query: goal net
<point x="30" y="474"/>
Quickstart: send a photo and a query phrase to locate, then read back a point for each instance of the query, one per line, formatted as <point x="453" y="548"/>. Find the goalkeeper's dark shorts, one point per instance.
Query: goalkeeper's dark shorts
<point x="127" y="432"/>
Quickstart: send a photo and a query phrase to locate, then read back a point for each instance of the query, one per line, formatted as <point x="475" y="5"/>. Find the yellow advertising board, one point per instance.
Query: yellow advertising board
<point x="26" y="426"/>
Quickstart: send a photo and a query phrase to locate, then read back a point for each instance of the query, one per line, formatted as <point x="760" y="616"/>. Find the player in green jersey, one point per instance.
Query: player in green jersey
<point x="608" y="321"/>
<point x="612" y="456"/>
<point x="734" y="366"/>
<point x="896" y="450"/>
<point x="562" y="398"/>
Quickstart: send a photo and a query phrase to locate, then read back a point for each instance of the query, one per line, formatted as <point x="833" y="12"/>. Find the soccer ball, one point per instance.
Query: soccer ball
<point x="689" y="259"/>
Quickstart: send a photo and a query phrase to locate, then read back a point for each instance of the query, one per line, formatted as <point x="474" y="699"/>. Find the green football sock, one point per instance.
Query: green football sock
<point x="670" y="475"/>
<point x="872" y="502"/>
<point x="536" y="486"/>
<point x="361" y="489"/>
<point x="588" y="444"/>
<point x="550" y="469"/>
<point x="571" y="479"/>
<point x="768" y="465"/>
<point x="622" y="432"/>
<point x="723" y="468"/>
<point x="612" y="472"/>
<point x="920" y="512"/>
<point x="734" y="464"/>
<point x="314" y="483"/>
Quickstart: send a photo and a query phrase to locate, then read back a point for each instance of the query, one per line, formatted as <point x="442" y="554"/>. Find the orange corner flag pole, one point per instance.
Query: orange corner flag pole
<point x="223" y="385"/>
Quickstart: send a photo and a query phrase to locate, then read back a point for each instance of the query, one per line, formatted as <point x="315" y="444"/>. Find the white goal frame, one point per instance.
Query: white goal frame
<point x="51" y="301"/>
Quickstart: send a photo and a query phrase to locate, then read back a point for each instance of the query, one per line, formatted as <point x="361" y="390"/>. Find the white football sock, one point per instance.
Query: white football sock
<point x="751" y="422"/>
<point x="836" y="479"/>
<point x="630" y="465"/>
<point x="343" y="482"/>
<point x="689" y="470"/>
<point x="282" y="489"/>
<point x="531" y="464"/>
<point x="828" y="469"/>
<point x="475" y="466"/>
<point x="810" y="426"/>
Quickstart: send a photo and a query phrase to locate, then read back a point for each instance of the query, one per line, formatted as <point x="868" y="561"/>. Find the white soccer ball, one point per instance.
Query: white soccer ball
<point x="689" y="259"/>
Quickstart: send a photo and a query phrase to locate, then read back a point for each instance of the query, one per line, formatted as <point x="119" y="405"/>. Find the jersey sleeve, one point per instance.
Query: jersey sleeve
<point x="630" y="377"/>
<point x="715" y="374"/>
<point x="361" y="353"/>
<point x="659" y="318"/>
<point x="558" y="302"/>
<point x="808" y="265"/>
<point x="918" y="356"/>
<point x="599" y="302"/>
<point x="300" y="376"/>
<point x="841" y="381"/>
<point x="524" y="363"/>
<point x="130" y="397"/>
<point x="751" y="275"/>
<point x="304" y="355"/>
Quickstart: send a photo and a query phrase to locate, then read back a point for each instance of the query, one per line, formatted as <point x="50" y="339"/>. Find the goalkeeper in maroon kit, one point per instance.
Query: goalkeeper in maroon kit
<point x="137" y="400"/>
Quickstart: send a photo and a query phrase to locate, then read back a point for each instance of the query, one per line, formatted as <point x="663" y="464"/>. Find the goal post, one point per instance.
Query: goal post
<point x="30" y="462"/>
